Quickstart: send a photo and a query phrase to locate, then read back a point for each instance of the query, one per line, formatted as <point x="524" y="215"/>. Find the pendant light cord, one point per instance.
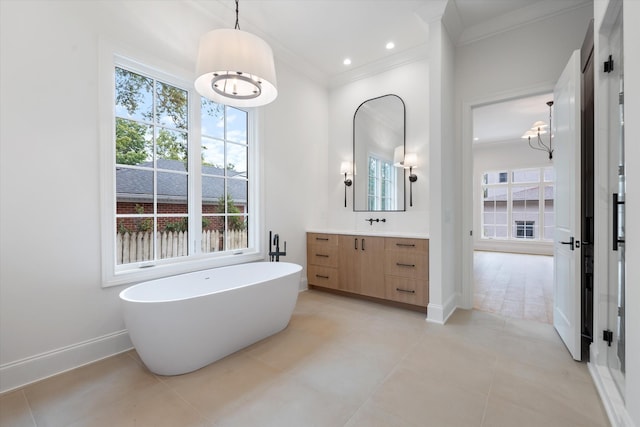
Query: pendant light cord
<point x="237" y="27"/>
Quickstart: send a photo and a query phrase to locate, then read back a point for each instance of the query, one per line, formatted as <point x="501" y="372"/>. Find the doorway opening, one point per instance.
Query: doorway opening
<point x="513" y="210"/>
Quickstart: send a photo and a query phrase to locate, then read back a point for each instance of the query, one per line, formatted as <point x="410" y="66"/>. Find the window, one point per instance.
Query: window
<point x="524" y="229"/>
<point x="224" y="177"/>
<point x="182" y="170"/>
<point x="151" y="173"/>
<point x="518" y="204"/>
<point x="382" y="182"/>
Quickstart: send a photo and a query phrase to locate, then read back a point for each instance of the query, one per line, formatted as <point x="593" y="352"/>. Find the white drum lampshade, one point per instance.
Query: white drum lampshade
<point x="235" y="68"/>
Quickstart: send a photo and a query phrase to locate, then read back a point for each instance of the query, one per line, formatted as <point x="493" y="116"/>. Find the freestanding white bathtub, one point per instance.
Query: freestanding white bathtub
<point x="179" y="324"/>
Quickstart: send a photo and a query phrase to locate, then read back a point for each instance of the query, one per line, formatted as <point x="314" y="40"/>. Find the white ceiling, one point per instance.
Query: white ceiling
<point x="508" y="121"/>
<point x="314" y="37"/>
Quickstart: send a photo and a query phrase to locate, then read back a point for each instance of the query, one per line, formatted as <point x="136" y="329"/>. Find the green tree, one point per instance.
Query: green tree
<point x="235" y="222"/>
<point x="131" y="90"/>
<point x="134" y="94"/>
<point x="172" y="102"/>
<point x="168" y="146"/>
<point x="131" y="145"/>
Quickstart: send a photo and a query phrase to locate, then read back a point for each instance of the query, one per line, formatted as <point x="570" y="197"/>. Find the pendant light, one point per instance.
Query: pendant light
<point x="538" y="129"/>
<point x="235" y="68"/>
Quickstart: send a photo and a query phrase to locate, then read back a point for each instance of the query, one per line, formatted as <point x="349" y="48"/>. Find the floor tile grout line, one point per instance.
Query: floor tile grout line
<point x="31" y="414"/>
<point x="388" y="375"/>
<point x="170" y="389"/>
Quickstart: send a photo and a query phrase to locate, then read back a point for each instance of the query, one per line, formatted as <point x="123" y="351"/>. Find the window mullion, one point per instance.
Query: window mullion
<point x="154" y="157"/>
<point x="194" y="150"/>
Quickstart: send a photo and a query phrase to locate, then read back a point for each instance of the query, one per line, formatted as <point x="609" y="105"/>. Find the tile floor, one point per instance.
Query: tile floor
<point x="340" y="362"/>
<point x="514" y="285"/>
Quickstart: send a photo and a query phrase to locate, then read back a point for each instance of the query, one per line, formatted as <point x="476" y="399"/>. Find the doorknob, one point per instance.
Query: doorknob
<point x="571" y="242"/>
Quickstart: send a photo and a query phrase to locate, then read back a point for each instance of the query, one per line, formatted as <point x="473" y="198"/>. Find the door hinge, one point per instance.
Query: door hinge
<point x="608" y="65"/>
<point x="621" y="98"/>
<point x="607" y="335"/>
<point x="470" y="232"/>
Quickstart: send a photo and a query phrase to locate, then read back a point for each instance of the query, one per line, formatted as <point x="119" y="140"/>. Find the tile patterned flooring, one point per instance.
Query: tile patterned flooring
<point x="340" y="362"/>
<point x="514" y="285"/>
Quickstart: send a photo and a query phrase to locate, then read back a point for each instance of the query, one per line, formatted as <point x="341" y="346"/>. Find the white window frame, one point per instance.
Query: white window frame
<point x="112" y="274"/>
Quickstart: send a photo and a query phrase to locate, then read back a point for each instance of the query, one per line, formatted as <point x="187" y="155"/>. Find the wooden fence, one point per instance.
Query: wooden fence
<point x="138" y="246"/>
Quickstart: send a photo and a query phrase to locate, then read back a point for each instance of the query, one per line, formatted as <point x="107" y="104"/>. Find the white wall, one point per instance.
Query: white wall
<point x="444" y="173"/>
<point x="295" y="162"/>
<point x="54" y="314"/>
<point x="343" y="102"/>
<point x="498" y="156"/>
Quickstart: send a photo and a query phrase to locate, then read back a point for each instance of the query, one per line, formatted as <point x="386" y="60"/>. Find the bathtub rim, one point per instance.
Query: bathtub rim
<point x="294" y="268"/>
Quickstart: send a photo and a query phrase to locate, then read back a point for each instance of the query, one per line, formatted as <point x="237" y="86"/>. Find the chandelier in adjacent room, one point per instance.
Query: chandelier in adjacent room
<point x="538" y="129"/>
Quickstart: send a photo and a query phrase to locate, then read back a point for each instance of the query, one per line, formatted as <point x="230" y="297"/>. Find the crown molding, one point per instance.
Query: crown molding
<point x="399" y="59"/>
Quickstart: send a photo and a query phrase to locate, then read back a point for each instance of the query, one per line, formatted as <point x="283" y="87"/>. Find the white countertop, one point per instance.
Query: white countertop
<point x="373" y="233"/>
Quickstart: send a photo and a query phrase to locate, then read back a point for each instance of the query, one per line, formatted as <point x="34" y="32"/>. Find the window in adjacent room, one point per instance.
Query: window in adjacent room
<point x="518" y="204"/>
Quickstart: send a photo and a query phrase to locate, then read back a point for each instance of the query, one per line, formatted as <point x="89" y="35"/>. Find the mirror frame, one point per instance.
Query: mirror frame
<point x="404" y="144"/>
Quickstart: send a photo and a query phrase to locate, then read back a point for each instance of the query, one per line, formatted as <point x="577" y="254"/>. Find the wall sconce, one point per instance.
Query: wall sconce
<point x="345" y="168"/>
<point x="411" y="161"/>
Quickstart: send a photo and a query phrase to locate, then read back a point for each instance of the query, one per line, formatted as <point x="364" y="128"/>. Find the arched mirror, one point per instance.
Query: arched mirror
<point x="378" y="149"/>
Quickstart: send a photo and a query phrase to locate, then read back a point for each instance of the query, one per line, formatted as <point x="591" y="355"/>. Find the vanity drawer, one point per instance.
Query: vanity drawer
<point x="322" y="239"/>
<point x="322" y="255"/>
<point x="406" y="245"/>
<point x="406" y="264"/>
<point x="408" y="291"/>
<point x="322" y="276"/>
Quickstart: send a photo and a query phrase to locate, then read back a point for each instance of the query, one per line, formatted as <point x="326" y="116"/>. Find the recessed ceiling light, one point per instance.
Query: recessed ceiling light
<point x="390" y="45"/>
<point x="347" y="61"/>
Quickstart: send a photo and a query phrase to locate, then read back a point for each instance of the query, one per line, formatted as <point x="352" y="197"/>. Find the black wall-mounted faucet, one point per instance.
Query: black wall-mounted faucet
<point x="371" y="220"/>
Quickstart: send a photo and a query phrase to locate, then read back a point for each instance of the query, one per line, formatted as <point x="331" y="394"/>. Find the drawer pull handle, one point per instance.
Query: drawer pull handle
<point x="321" y="277"/>
<point x="408" y="291"/>
<point x="399" y="264"/>
<point x="406" y="245"/>
<point x="322" y="238"/>
<point x="322" y="255"/>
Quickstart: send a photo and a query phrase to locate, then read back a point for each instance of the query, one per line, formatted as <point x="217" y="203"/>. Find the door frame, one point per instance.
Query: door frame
<point x="466" y="293"/>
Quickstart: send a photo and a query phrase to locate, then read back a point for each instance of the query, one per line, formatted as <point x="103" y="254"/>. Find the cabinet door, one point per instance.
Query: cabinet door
<point x="349" y="263"/>
<point x="372" y="266"/>
<point x="361" y="265"/>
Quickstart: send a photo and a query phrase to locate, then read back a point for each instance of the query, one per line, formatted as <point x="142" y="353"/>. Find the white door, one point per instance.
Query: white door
<point x="566" y="251"/>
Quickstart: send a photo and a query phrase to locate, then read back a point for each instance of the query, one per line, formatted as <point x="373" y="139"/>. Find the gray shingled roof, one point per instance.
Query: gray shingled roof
<point x="137" y="184"/>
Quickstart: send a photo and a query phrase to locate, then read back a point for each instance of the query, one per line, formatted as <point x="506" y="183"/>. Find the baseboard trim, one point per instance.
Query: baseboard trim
<point x="22" y="372"/>
<point x="439" y="314"/>
<point x="611" y="400"/>
<point x="304" y="285"/>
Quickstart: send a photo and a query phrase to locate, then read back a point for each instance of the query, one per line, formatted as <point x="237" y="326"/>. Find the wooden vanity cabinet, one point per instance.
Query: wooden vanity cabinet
<point x="384" y="268"/>
<point x="361" y="265"/>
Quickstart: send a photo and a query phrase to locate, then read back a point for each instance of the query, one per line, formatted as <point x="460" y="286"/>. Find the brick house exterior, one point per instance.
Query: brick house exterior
<point x="134" y="195"/>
